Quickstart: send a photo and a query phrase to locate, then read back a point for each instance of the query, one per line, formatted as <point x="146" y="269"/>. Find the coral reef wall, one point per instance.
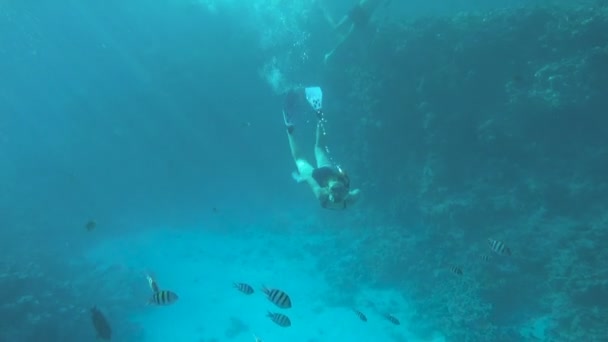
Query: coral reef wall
<point x="486" y="125"/>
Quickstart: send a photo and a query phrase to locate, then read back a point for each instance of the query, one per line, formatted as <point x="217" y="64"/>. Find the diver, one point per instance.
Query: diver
<point x="328" y="181"/>
<point x="357" y="18"/>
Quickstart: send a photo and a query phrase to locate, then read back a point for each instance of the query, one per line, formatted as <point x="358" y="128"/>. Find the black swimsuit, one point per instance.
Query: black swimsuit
<point x="323" y="175"/>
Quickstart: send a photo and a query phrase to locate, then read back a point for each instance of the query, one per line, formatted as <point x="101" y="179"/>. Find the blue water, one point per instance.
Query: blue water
<point x="161" y="122"/>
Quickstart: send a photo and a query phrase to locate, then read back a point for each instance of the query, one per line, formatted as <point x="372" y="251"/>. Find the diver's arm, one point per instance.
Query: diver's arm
<point x="326" y="14"/>
<point x="353" y="197"/>
<point x="321" y="194"/>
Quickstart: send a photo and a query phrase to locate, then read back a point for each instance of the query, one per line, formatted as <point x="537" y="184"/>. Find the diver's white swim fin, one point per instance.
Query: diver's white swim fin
<point x="314" y="96"/>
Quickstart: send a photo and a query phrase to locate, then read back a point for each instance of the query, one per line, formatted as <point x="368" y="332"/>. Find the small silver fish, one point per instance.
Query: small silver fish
<point x="498" y="247"/>
<point x="245" y="288"/>
<point x="279" y="319"/>
<point x="278" y="297"/>
<point x="163" y="297"/>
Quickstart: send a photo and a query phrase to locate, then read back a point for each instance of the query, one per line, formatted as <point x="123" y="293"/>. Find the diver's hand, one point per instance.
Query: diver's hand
<point x="353" y="196"/>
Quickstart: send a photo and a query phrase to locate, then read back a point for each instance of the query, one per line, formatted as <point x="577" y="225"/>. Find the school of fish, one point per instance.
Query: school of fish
<point x="278" y="297"/>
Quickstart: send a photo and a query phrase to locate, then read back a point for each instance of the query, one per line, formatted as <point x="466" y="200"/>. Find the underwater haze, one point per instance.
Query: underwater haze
<point x="145" y="171"/>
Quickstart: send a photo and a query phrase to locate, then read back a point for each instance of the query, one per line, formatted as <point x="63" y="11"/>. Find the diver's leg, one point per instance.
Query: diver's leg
<point x="342" y="41"/>
<point x="341" y="24"/>
<point x="328" y="17"/>
<point x="330" y="20"/>
<point x="321" y="155"/>
<point x="295" y="152"/>
<point x="304" y="167"/>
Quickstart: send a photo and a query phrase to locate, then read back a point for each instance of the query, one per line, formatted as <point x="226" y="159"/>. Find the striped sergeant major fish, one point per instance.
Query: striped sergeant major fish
<point x="498" y="247"/>
<point x="163" y="297"/>
<point x="278" y="297"/>
<point x="279" y="319"/>
<point x="245" y="288"/>
<point x="152" y="283"/>
<point x="456" y="270"/>
<point x="360" y="314"/>
<point x="391" y="319"/>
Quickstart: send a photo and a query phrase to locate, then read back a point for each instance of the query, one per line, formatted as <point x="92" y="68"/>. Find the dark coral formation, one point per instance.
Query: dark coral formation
<point x="486" y="125"/>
